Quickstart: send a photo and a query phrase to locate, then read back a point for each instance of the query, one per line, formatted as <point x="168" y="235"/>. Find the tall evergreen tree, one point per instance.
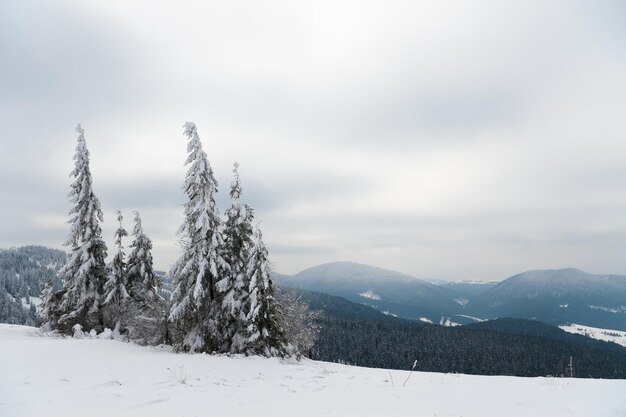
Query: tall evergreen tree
<point x="84" y="273"/>
<point x="234" y="286"/>
<point x="265" y="332"/>
<point x="142" y="280"/>
<point x="201" y="265"/>
<point x="115" y="288"/>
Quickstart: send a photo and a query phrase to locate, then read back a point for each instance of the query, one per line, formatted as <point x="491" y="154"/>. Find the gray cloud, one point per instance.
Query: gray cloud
<point x="447" y="140"/>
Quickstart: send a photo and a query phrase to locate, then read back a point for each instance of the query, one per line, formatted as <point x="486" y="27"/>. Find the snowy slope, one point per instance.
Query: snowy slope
<point x="556" y="296"/>
<point x="399" y="294"/>
<point x="94" y="377"/>
<point x="607" y="335"/>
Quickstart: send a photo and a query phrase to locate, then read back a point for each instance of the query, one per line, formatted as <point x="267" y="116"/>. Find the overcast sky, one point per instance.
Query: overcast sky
<point x="451" y="140"/>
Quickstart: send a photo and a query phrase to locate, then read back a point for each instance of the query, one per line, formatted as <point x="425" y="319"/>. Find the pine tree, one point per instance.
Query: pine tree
<point x="84" y="273"/>
<point x="47" y="291"/>
<point x="201" y="265"/>
<point x="115" y="288"/>
<point x="234" y="286"/>
<point x="143" y="282"/>
<point x="265" y="333"/>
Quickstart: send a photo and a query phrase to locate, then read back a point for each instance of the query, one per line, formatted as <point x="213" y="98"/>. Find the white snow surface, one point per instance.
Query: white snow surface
<point x="461" y="301"/>
<point x="621" y="309"/>
<point x="54" y="376"/>
<point x="370" y="294"/>
<point x="608" y="335"/>
<point x="446" y="322"/>
<point x="478" y="319"/>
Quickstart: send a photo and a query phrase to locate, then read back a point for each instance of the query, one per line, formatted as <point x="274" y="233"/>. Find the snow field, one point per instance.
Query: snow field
<point x="53" y="376"/>
<point x="608" y="335"/>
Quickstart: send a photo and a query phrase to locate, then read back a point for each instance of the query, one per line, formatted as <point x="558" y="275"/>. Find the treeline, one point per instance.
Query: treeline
<point x="358" y="335"/>
<point x="222" y="299"/>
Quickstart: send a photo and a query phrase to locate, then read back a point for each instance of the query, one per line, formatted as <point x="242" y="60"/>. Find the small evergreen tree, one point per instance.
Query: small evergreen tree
<point x="43" y="310"/>
<point x="84" y="273"/>
<point x="115" y="287"/>
<point x="265" y="331"/>
<point x="201" y="265"/>
<point x="142" y="280"/>
<point x="234" y="286"/>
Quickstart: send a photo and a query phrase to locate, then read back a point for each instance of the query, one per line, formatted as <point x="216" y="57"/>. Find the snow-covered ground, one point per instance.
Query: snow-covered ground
<point x="445" y="321"/>
<point x="478" y="319"/>
<point x="52" y="376"/>
<point x="370" y="295"/>
<point x="608" y="335"/>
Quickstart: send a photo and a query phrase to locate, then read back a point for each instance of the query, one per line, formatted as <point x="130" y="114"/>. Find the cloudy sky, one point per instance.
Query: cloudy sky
<point x="450" y="140"/>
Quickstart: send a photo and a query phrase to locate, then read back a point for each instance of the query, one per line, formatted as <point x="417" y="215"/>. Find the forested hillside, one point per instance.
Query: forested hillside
<point x="22" y="274"/>
<point x="359" y="335"/>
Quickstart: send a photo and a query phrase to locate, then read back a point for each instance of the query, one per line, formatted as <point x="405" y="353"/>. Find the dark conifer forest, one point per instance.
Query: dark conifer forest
<point x="359" y="335"/>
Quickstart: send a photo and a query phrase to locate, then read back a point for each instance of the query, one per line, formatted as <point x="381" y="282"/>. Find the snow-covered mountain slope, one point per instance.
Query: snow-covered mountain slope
<point x="385" y="290"/>
<point x="564" y="284"/>
<point x="67" y="377"/>
<point x="557" y="296"/>
<point x="607" y="335"/>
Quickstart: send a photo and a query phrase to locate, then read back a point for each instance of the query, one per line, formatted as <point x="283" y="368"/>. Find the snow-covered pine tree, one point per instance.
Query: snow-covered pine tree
<point x="115" y="288"/>
<point x="234" y="285"/>
<point x="265" y="334"/>
<point x="84" y="273"/>
<point x="201" y="265"/>
<point x="142" y="281"/>
<point x="43" y="310"/>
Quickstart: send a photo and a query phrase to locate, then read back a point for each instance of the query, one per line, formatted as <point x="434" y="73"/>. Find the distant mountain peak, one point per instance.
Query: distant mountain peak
<point x="351" y="269"/>
<point x="394" y="292"/>
<point x="568" y="270"/>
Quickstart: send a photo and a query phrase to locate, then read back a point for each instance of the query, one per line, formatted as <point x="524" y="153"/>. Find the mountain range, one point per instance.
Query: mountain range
<point x="555" y="297"/>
